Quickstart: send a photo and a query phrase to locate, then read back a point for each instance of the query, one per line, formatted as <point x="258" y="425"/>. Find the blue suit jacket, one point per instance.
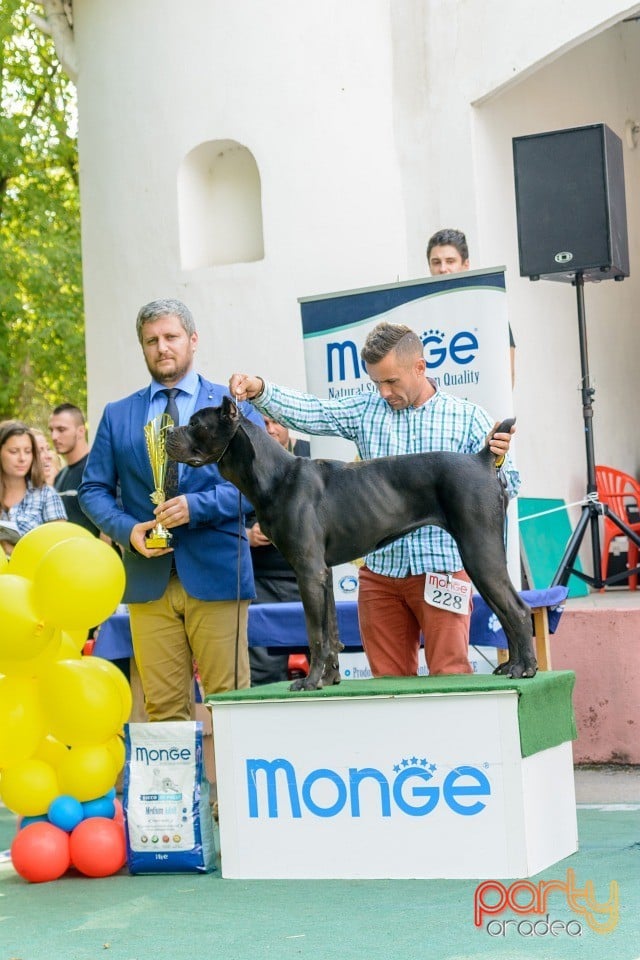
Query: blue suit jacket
<point x="115" y="494"/>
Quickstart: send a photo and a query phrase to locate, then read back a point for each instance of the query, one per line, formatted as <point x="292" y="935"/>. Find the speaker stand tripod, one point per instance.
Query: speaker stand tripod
<point x="592" y="509"/>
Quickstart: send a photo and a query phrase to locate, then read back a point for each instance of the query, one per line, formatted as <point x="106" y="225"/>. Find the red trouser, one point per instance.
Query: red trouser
<point x="392" y="612"/>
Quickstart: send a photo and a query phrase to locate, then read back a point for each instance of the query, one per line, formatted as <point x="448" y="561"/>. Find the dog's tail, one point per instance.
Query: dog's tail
<point x="503" y="427"/>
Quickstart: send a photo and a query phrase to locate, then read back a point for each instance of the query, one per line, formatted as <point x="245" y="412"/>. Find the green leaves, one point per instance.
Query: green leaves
<point x="42" y="360"/>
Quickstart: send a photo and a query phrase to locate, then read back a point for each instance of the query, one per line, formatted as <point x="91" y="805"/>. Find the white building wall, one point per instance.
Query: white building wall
<point x="372" y="123"/>
<point x="307" y="89"/>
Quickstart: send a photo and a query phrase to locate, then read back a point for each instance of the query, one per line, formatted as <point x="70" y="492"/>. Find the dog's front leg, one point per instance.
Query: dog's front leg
<point x="313" y="588"/>
<point x="331" y="640"/>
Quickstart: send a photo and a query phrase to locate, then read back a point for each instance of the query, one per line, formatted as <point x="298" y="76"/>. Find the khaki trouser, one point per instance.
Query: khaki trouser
<point x="170" y="633"/>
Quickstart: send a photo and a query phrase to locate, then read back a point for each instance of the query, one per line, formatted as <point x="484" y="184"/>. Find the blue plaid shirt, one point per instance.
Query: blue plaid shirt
<point x="443" y="423"/>
<point x="39" y="505"/>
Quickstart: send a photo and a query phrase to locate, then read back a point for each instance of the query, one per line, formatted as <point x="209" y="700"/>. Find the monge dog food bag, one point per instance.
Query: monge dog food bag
<point x="168" y="821"/>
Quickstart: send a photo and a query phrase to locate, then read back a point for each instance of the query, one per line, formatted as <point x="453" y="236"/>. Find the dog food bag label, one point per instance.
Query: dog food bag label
<point x="167" y="812"/>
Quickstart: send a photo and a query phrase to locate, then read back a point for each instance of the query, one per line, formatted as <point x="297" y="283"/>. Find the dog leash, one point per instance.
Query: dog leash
<point x="238" y="570"/>
<point x="237" y="649"/>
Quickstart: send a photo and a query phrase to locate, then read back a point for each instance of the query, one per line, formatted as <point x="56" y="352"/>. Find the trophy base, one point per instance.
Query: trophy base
<point x="155" y="540"/>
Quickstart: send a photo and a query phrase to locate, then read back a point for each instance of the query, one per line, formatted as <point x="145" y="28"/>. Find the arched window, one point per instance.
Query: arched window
<point x="219" y="206"/>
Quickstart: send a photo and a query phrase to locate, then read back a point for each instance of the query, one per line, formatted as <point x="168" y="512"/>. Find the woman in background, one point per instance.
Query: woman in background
<point x="26" y="500"/>
<point x="50" y="460"/>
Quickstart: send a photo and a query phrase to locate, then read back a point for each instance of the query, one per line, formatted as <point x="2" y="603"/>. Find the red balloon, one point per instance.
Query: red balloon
<point x="98" y="847"/>
<point x="40" y="852"/>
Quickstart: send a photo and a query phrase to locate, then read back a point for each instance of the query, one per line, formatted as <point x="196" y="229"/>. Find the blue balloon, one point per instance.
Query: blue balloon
<point x="65" y="812"/>
<point x="100" y="807"/>
<point x="25" y="821"/>
<point x="112" y="794"/>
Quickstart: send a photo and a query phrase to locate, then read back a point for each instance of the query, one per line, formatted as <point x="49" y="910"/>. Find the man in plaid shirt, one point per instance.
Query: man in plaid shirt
<point x="407" y="414"/>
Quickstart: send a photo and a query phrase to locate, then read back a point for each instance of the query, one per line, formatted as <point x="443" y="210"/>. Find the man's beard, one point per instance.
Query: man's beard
<point x="178" y="373"/>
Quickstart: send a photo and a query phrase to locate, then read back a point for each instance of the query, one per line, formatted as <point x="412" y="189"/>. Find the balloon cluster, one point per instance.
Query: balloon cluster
<point x="61" y="714"/>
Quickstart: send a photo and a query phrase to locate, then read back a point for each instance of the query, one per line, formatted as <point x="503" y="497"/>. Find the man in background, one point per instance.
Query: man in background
<point x="448" y="252"/>
<point x="69" y="437"/>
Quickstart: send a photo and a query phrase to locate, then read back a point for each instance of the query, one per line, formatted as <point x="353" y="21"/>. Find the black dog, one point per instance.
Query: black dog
<point x="320" y="513"/>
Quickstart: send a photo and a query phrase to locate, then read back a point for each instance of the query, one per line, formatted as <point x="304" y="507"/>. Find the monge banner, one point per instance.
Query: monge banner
<point x="461" y="319"/>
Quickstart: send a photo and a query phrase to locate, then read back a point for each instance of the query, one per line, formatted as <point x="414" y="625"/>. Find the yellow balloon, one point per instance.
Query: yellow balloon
<point x="60" y="646"/>
<point x="4" y="562"/>
<point x="118" y="752"/>
<point x="81" y="703"/>
<point x="51" y="751"/>
<point x="22" y="633"/>
<point x="29" y="787"/>
<point x="69" y="649"/>
<point x="35" y="666"/>
<point x="30" y="549"/>
<point x="87" y="772"/>
<point x="78" y="583"/>
<point x="120" y="681"/>
<point x="76" y="638"/>
<point x="22" y="724"/>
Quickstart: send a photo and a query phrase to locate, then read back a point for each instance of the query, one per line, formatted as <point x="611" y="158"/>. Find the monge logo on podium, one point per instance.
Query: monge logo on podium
<point x="414" y="787"/>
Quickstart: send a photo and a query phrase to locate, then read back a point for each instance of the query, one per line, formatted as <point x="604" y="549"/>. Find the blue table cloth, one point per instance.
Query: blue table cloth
<point x="282" y="624"/>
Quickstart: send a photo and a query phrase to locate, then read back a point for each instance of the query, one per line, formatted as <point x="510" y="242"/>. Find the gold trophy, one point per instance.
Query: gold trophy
<point x="155" y="433"/>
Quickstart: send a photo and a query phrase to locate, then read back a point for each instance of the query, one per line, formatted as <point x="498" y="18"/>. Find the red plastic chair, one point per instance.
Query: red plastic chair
<point x="298" y="666"/>
<point x="621" y="493"/>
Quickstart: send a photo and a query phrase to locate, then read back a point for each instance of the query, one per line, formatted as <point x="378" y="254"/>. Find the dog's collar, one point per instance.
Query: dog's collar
<point x="224" y="451"/>
<point x="226" y="446"/>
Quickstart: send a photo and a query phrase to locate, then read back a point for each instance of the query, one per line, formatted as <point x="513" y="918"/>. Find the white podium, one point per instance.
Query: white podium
<point x="449" y="777"/>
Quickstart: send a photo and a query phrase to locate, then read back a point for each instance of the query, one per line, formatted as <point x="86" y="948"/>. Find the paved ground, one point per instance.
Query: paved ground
<point x="607" y="784"/>
<point x="613" y="598"/>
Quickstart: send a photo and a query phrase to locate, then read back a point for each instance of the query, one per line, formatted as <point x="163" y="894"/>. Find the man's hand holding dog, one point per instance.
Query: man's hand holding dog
<point x="242" y="386"/>
<point x="499" y="442"/>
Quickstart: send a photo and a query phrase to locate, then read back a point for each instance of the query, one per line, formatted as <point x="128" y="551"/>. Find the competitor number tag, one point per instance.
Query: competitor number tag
<point x="446" y="592"/>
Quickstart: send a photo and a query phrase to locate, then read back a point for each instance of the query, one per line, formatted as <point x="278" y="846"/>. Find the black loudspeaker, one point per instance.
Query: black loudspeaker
<point x="570" y="204"/>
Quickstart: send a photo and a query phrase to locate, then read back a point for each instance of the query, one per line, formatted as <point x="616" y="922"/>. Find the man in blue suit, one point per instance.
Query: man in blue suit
<point x="184" y="601"/>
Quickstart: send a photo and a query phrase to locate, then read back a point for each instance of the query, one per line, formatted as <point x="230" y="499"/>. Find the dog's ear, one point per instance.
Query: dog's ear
<point x="229" y="409"/>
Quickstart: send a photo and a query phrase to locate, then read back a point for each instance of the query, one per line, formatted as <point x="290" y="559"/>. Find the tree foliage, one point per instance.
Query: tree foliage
<point x="42" y="359"/>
